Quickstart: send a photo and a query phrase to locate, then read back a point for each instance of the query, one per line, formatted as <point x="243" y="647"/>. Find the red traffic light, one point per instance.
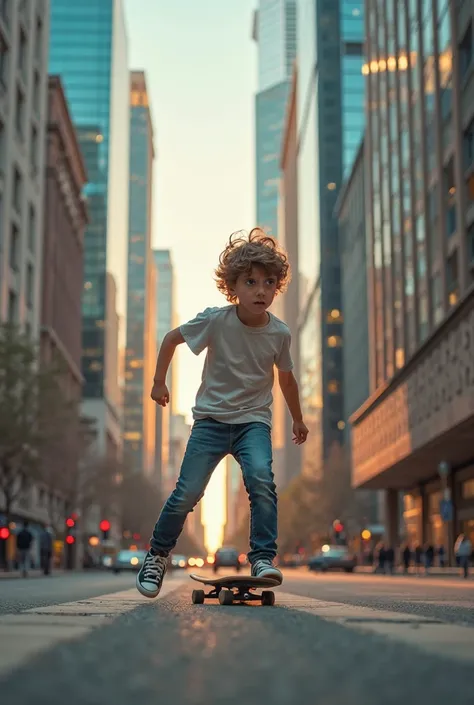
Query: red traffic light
<point x="70" y="522"/>
<point x="338" y="527"/>
<point x="104" y="525"/>
<point x="4" y="533"/>
<point x="70" y="540"/>
<point x="137" y="537"/>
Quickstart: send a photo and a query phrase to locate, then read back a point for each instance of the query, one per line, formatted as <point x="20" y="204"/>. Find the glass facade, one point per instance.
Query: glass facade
<point x="137" y="362"/>
<point x="330" y="128"/>
<point x="88" y="49"/>
<point x="270" y="108"/>
<point x="416" y="240"/>
<point x="276" y="38"/>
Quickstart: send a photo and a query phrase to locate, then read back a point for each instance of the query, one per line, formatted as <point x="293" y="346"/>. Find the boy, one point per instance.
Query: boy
<point x="232" y="413"/>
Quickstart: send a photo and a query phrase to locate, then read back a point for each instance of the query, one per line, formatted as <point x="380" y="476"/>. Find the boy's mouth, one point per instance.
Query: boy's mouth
<point x="259" y="303"/>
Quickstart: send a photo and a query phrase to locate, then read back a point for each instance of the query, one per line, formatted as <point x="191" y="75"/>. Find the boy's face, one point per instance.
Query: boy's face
<point x="256" y="291"/>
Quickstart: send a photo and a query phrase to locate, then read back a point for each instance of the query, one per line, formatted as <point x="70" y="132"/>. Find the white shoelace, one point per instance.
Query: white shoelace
<point x="154" y="568"/>
<point x="261" y="565"/>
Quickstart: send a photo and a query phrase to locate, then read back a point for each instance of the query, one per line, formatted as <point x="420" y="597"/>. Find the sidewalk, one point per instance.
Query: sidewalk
<point x="11" y="574"/>
<point x="435" y="572"/>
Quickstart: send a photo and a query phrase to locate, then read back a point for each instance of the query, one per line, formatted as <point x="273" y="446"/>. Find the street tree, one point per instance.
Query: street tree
<point x="34" y="414"/>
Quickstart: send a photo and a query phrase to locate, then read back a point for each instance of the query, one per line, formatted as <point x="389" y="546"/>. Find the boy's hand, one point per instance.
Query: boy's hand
<point x="160" y="394"/>
<point x="300" y="432"/>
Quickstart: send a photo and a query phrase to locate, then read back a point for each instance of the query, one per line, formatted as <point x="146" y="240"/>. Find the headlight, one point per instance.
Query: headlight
<point x="134" y="560"/>
<point x="199" y="562"/>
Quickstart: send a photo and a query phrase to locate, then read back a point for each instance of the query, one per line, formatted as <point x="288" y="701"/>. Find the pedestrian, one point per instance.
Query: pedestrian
<point x="24" y="540"/>
<point x="442" y="556"/>
<point x="429" y="557"/>
<point x="46" y="549"/>
<point x="418" y="558"/>
<point x="232" y="412"/>
<point x="462" y="550"/>
<point x="406" y="556"/>
<point x="390" y="559"/>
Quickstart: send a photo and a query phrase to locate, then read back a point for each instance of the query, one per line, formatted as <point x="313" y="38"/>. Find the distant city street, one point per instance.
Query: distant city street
<point x="330" y="638"/>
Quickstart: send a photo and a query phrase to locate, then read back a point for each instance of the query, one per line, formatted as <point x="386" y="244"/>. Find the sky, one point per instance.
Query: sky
<point x="201" y="70"/>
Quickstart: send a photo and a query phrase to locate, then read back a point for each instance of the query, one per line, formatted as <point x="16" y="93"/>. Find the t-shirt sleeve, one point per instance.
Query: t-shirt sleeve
<point x="198" y="331"/>
<point x="283" y="360"/>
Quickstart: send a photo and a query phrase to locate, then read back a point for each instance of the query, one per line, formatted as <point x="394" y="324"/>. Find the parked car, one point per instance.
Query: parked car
<point x="226" y="557"/>
<point x="333" y="558"/>
<point x="178" y="561"/>
<point x="128" y="560"/>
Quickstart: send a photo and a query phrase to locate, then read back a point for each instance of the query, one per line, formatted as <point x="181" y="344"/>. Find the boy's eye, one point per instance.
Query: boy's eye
<point x="250" y="282"/>
<point x="270" y="282"/>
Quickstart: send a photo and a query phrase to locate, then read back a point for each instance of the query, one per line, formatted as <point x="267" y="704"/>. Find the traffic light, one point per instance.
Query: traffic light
<point x="4" y="533"/>
<point x="338" y="528"/>
<point x="104" y="526"/>
<point x="70" y="540"/>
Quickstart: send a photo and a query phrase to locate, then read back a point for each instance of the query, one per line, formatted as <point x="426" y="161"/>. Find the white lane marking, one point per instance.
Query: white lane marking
<point x="436" y="637"/>
<point x="25" y="634"/>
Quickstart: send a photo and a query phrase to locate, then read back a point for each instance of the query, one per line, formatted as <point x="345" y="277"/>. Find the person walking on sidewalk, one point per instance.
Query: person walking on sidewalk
<point x="24" y="541"/>
<point x="462" y="550"/>
<point x="232" y="413"/>
<point x="46" y="549"/>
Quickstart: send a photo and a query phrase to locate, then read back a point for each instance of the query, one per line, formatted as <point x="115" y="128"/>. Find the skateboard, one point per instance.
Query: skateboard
<point x="235" y="588"/>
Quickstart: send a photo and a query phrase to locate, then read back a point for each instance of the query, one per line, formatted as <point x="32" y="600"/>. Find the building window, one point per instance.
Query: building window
<point x="14" y="247"/>
<point x="34" y="150"/>
<point x="20" y="113"/>
<point x="22" y="49"/>
<point x="452" y="278"/>
<point x="12" y="306"/>
<point x="3" y="62"/>
<point x="32" y="229"/>
<point x="334" y="341"/>
<point x="468" y="146"/>
<point x="39" y="39"/>
<point x="468" y="489"/>
<point x="30" y="283"/>
<point x="450" y="191"/>
<point x="36" y="93"/>
<point x="17" y="190"/>
<point x="436" y="298"/>
<point x="465" y="51"/>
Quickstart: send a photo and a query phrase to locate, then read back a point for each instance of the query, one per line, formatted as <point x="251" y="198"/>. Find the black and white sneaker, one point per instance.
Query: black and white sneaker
<point x="264" y="568"/>
<point x="151" y="574"/>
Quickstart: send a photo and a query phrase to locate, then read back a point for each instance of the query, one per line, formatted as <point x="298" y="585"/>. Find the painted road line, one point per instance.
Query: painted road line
<point x="25" y="634"/>
<point x="431" y="635"/>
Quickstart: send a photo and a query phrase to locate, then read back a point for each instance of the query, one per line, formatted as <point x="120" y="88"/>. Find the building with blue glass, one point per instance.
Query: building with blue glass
<point x="330" y="125"/>
<point x="274" y="30"/>
<point x="88" y="49"/>
<point x="140" y="354"/>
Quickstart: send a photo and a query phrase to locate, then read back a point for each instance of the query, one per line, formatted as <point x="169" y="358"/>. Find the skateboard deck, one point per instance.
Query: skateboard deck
<point x="235" y="588"/>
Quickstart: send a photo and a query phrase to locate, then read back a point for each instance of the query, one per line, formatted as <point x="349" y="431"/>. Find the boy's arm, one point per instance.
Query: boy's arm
<point x="289" y="388"/>
<point x="170" y="342"/>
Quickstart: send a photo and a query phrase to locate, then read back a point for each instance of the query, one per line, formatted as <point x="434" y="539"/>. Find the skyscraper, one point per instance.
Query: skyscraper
<point x="414" y="433"/>
<point x="330" y="115"/>
<point x="24" y="30"/>
<point x="139" y="411"/>
<point x="165" y="321"/>
<point x="274" y="30"/>
<point x="89" y="52"/>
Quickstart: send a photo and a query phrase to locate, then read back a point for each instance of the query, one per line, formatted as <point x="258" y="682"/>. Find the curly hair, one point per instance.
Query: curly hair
<point x="242" y="253"/>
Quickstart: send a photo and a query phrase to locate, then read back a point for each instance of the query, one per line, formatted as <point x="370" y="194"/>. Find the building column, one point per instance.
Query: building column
<point x="391" y="519"/>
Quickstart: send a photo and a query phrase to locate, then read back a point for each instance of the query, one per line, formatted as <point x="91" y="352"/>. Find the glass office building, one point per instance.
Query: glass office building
<point x="88" y="49"/>
<point x="275" y="33"/>
<point x="140" y="356"/>
<point x="330" y="114"/>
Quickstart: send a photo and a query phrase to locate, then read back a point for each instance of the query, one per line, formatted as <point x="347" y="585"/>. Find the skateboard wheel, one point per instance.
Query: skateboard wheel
<point x="268" y="598"/>
<point x="198" y="597"/>
<point x="226" y="597"/>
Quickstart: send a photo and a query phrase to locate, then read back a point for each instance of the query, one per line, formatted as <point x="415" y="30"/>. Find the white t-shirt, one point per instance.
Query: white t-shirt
<point x="237" y="378"/>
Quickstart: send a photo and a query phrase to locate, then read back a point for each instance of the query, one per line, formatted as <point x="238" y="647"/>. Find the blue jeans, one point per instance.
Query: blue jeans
<point x="209" y="443"/>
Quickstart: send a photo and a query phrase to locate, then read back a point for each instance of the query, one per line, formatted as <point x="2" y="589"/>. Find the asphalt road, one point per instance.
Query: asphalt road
<point x="319" y="645"/>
